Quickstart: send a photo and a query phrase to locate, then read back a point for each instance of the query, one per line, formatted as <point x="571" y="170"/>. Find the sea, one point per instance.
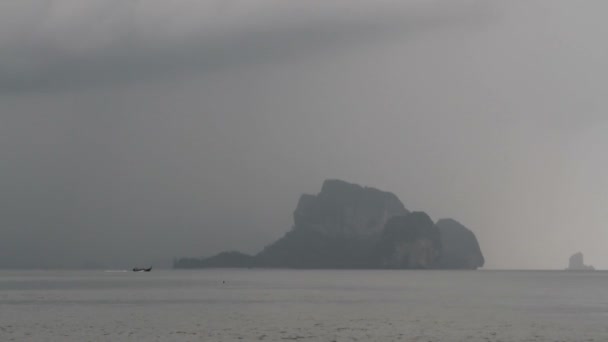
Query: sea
<point x="303" y="305"/>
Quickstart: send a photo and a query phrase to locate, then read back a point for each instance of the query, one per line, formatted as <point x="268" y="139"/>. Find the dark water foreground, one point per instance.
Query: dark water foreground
<point x="286" y="305"/>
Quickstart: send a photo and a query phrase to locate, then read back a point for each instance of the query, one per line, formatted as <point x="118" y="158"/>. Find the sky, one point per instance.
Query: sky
<point x="133" y="132"/>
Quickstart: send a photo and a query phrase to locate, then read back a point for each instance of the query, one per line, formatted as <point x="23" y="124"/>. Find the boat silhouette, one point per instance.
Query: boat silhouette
<point x="139" y="269"/>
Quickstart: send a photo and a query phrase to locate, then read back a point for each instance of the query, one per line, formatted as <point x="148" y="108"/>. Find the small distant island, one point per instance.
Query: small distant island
<point x="577" y="263"/>
<point x="347" y="226"/>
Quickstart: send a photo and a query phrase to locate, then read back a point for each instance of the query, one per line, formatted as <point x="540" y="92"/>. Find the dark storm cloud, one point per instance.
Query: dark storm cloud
<point x="116" y="42"/>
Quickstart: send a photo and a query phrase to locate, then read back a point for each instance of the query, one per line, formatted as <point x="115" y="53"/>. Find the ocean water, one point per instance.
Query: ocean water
<point x="305" y="305"/>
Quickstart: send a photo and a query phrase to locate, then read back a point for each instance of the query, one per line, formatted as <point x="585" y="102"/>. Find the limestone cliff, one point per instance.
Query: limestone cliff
<point x="411" y="241"/>
<point x="337" y="228"/>
<point x="460" y="249"/>
<point x="344" y="209"/>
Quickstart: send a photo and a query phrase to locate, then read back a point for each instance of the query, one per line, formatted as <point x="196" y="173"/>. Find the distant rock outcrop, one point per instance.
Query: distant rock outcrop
<point x="460" y="249"/>
<point x="344" y="209"/>
<point x="350" y="226"/>
<point x="411" y="241"/>
<point x="577" y="263"/>
<point x="337" y="228"/>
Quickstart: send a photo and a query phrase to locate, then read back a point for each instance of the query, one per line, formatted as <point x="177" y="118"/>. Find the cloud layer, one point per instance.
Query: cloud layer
<point x="58" y="44"/>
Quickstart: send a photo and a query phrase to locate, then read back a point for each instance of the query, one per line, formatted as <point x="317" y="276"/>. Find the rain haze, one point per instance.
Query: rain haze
<point x="139" y="131"/>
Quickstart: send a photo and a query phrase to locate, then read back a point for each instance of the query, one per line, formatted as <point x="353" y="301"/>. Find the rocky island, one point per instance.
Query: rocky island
<point x="577" y="263"/>
<point x="350" y="226"/>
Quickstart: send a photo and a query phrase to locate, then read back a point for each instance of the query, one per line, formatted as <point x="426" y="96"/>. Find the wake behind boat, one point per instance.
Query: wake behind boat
<point x="138" y="269"/>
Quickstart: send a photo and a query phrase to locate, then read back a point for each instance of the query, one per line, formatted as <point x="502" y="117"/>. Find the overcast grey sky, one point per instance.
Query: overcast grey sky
<point x="136" y="131"/>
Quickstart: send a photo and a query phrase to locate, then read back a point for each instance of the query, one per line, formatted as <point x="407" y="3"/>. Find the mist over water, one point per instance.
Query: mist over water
<point x="135" y="132"/>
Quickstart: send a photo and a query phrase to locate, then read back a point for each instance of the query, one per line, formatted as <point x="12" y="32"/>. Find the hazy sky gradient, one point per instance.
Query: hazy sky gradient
<point x="135" y="131"/>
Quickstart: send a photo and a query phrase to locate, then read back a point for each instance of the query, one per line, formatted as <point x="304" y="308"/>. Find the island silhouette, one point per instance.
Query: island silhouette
<point x="577" y="263"/>
<point x="350" y="226"/>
